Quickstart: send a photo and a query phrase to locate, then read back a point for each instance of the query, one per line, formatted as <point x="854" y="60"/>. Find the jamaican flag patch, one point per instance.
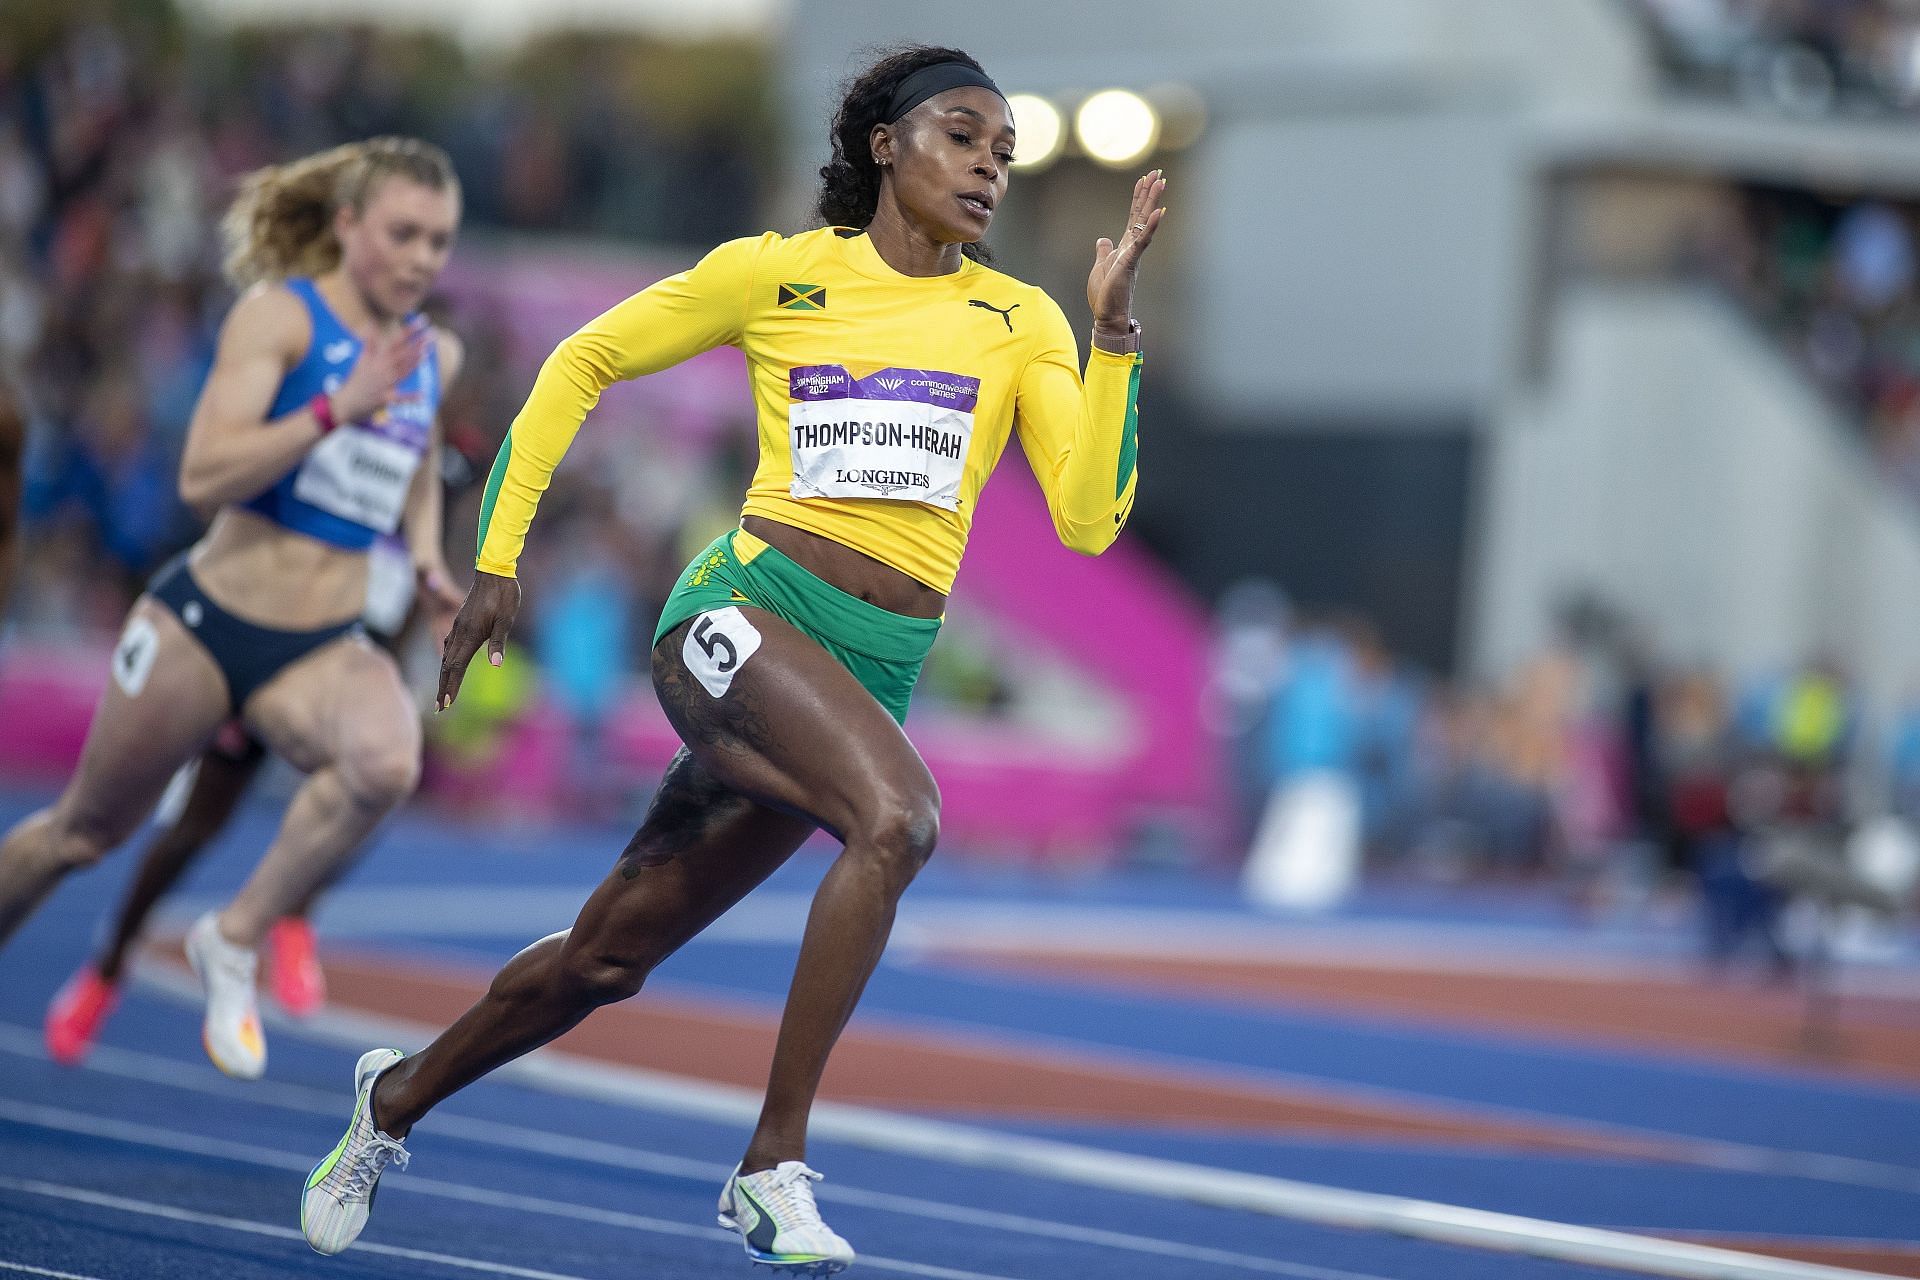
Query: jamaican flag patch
<point x="803" y="297"/>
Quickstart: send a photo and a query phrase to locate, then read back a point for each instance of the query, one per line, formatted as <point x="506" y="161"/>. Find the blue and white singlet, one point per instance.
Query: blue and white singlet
<point x="351" y="486"/>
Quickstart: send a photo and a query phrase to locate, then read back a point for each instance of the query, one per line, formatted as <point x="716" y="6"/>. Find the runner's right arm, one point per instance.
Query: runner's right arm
<point x="667" y="322"/>
<point x="228" y="457"/>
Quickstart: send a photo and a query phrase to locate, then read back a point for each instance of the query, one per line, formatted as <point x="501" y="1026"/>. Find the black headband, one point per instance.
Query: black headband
<point x="927" y="81"/>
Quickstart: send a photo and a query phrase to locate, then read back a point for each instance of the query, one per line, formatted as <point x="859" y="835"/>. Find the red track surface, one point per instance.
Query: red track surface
<point x="923" y="1072"/>
<point x="1889" y="1259"/>
<point x="1873" y="1036"/>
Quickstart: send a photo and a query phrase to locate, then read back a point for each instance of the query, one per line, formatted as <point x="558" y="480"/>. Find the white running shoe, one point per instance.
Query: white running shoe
<point x="778" y="1222"/>
<point x="231" y="1032"/>
<point x="339" y="1196"/>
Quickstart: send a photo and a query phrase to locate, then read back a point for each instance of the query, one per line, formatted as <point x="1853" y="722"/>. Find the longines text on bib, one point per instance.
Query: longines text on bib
<point x="898" y="434"/>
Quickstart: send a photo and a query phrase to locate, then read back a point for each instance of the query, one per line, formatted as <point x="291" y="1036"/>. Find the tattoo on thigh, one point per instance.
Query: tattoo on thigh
<point x="736" y="724"/>
<point x="690" y="800"/>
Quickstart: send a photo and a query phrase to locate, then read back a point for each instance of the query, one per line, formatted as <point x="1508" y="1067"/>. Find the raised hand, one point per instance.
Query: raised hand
<point x="486" y="617"/>
<point x="1110" y="285"/>
<point x="383" y="363"/>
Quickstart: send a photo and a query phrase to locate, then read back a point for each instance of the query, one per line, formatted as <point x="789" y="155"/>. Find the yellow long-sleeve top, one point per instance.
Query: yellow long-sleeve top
<point x="884" y="400"/>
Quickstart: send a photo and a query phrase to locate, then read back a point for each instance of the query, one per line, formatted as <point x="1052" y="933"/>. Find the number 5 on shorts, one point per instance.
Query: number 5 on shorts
<point x="718" y="645"/>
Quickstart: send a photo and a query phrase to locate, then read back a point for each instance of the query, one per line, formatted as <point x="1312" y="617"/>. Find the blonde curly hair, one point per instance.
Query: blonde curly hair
<point x="281" y="222"/>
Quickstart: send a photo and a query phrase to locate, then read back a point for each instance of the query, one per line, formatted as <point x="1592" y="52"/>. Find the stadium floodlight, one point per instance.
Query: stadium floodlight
<point x="1116" y="127"/>
<point x="1039" y="131"/>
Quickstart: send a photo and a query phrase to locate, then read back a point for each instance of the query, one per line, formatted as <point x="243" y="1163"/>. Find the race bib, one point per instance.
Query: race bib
<point x="717" y="646"/>
<point x="133" y="656"/>
<point x="390" y="587"/>
<point x="359" y="475"/>
<point x="899" y="434"/>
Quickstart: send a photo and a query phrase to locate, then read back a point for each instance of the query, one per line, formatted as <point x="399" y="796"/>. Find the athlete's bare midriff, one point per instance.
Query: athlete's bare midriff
<point x="854" y="572"/>
<point x="268" y="575"/>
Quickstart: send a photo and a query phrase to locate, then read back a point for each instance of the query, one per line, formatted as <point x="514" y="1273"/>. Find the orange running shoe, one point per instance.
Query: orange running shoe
<point x="76" y="1015"/>
<point x="299" y="984"/>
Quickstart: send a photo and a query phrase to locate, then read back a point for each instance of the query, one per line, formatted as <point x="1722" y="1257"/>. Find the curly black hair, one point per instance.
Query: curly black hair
<point x="850" y="181"/>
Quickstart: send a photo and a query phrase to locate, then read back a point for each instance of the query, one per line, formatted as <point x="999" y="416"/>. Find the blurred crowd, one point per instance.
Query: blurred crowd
<point x="1835" y="281"/>
<point x="1795" y="57"/>
<point x="1593" y="767"/>
<point x="121" y="135"/>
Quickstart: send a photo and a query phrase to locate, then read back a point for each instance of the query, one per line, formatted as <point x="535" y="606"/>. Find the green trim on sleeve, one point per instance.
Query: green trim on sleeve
<point x="492" y="491"/>
<point x="1130" y="435"/>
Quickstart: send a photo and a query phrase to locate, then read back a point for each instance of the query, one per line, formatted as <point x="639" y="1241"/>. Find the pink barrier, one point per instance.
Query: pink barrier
<point x="1120" y="616"/>
<point x="47" y="696"/>
<point x="524" y="776"/>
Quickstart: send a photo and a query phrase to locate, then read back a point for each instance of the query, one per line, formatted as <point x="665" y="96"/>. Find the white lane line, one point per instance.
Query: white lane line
<point x="1280" y="1197"/>
<point x="1116" y="1171"/>
<point x="1677" y="1148"/>
<point x="136" y="1065"/>
<point x="147" y="1208"/>
<point x="725" y="1104"/>
<point x="354" y="1029"/>
<point x="1170" y="1179"/>
<point x="1680" y="1147"/>
<point x="24" y="1269"/>
<point x="63" y="1120"/>
<point x="1086" y="1235"/>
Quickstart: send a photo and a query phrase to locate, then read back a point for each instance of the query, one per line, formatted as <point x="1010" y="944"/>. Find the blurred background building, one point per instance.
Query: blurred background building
<point x="1531" y="442"/>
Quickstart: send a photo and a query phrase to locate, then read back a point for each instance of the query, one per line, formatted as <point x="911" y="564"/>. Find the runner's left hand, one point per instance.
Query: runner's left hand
<point x="1110" y="285"/>
<point x="485" y="618"/>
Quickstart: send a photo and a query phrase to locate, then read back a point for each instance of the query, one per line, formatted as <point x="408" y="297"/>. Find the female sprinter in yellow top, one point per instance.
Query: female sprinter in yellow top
<point x="314" y="433"/>
<point x="889" y="367"/>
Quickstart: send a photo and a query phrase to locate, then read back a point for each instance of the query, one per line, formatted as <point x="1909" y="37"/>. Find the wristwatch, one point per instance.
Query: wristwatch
<point x="1131" y="338"/>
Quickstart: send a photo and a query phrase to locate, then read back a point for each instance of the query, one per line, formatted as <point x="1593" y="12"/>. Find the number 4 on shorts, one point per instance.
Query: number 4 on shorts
<point x="718" y="645"/>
